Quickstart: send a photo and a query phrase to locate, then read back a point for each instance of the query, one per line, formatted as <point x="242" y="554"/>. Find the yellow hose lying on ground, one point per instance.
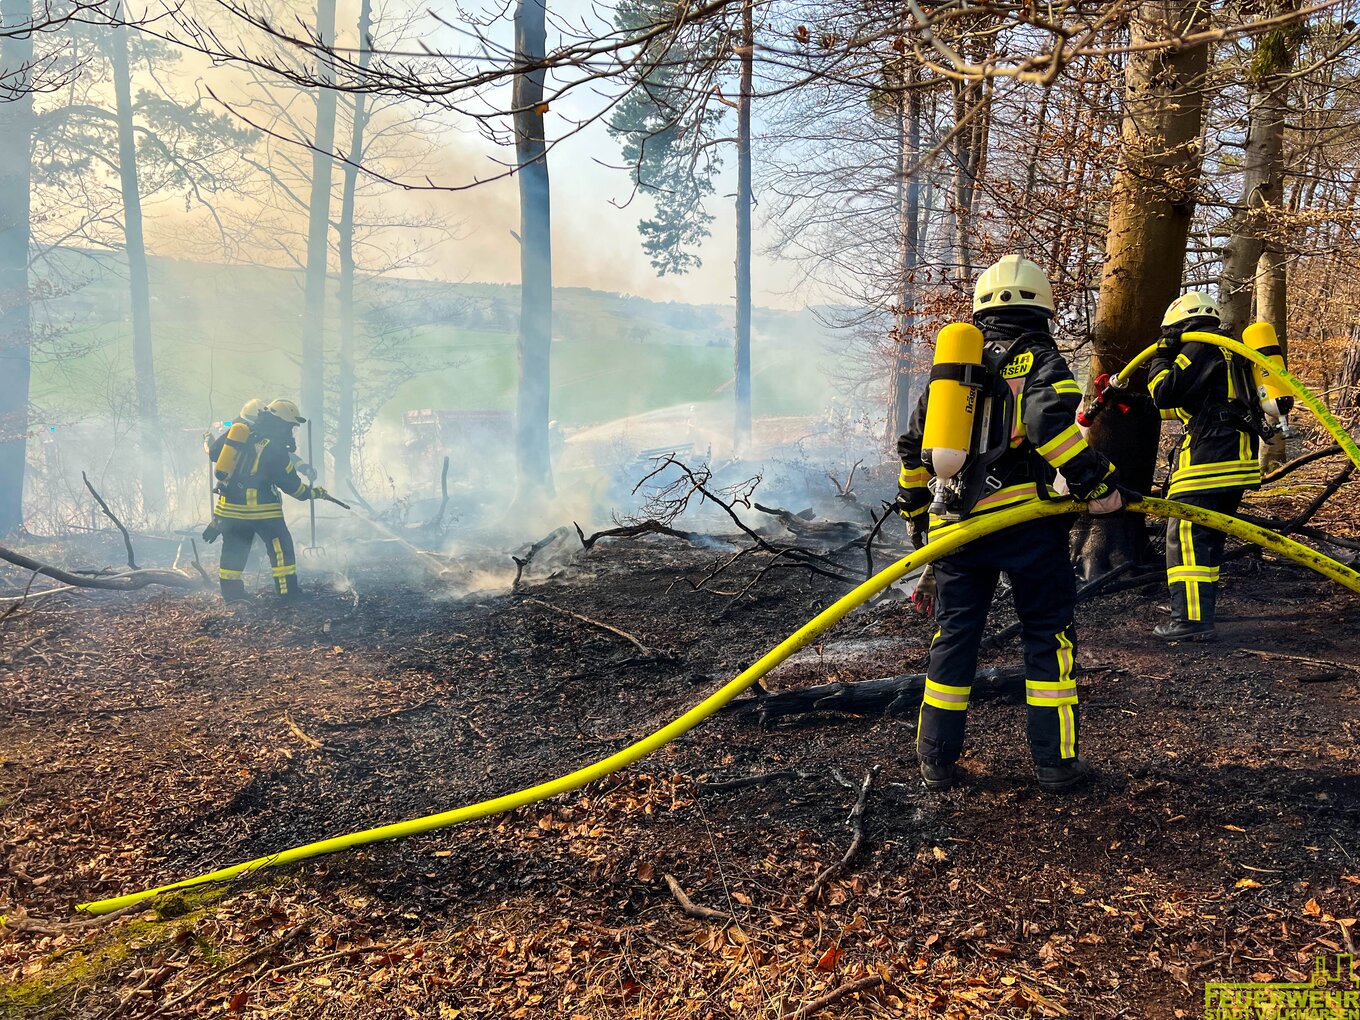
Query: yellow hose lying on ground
<point x="804" y="636"/>
<point x="1301" y="391"/>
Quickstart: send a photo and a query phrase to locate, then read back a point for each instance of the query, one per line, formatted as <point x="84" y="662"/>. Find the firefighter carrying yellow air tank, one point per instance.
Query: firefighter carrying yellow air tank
<point x="1274" y="395"/>
<point x="229" y="459"/>
<point x="955" y="387"/>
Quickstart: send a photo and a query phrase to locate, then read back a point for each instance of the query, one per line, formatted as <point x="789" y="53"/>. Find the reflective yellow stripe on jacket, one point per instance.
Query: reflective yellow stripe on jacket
<point x="1001" y="499"/>
<point x="246" y="511"/>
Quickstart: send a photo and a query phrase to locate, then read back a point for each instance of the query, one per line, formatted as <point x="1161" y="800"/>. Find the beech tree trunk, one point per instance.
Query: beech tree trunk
<point x="1272" y="306"/>
<point x="1151" y="206"/>
<point x="909" y="214"/>
<point x="16" y="128"/>
<point x="742" y="351"/>
<point x="1262" y="172"/>
<point x="313" y="389"/>
<point x="143" y="352"/>
<point x="344" y="425"/>
<point x="535" y="257"/>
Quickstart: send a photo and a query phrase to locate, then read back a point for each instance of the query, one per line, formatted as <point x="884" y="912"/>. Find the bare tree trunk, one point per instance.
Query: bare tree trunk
<point x="1350" y="371"/>
<point x="1262" y="171"/>
<point x="16" y="127"/>
<point x="318" y="240"/>
<point x="909" y="217"/>
<point x="535" y="257"/>
<point x="344" y="426"/>
<point x="1272" y="306"/>
<point x="742" y="351"/>
<point x="143" y="351"/>
<point x="1151" y="206"/>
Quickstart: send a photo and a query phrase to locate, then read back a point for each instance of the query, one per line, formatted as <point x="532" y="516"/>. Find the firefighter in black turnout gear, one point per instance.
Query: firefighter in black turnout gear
<point x="1031" y="436"/>
<point x="1211" y="393"/>
<point x="249" y="503"/>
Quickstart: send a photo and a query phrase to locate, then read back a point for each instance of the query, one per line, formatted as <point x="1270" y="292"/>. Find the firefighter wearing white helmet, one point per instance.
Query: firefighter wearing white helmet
<point x="1210" y="391"/>
<point x="250" y="503"/>
<point x="1023" y="431"/>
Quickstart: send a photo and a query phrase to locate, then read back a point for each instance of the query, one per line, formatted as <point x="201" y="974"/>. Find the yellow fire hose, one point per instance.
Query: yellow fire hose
<point x="1338" y="431"/>
<point x="804" y="636"/>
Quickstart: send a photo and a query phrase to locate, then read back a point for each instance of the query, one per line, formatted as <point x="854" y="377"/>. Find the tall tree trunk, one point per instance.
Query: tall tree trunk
<point x="143" y="352"/>
<point x="1262" y="171"/>
<point x="16" y="127"/>
<point x="971" y="102"/>
<point x="318" y="239"/>
<point x="1272" y="306"/>
<point x="908" y="248"/>
<point x="1151" y="206"/>
<point x="535" y="257"/>
<point x="344" y="426"/>
<point x="742" y="366"/>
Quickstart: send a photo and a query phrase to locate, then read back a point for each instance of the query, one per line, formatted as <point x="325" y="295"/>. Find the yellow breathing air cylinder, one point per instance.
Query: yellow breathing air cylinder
<point x="237" y="437"/>
<point x="1276" y="400"/>
<point x="953" y="401"/>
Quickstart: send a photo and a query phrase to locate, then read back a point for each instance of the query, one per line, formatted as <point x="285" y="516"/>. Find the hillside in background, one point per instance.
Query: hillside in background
<point x="227" y="333"/>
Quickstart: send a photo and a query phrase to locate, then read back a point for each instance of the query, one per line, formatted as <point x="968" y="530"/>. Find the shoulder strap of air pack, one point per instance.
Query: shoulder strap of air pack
<point x="985" y="454"/>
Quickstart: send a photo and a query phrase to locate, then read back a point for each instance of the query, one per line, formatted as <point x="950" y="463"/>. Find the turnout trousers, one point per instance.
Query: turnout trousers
<point x="1194" y="554"/>
<point x="1035" y="557"/>
<point x="237" y="537"/>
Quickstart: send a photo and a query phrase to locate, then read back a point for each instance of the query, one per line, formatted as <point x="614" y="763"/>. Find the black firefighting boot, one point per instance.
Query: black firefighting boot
<point x="234" y="592"/>
<point x="938" y="777"/>
<point x="1057" y="778"/>
<point x="1186" y="630"/>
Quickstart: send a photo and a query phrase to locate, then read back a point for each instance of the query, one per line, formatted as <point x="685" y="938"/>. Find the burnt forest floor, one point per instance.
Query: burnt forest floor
<point x="151" y="736"/>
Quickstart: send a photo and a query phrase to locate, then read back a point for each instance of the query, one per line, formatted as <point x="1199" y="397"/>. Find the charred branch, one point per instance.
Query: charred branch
<point x="128" y="580"/>
<point x="691" y="909"/>
<point x="633" y="531"/>
<point x="127" y="539"/>
<point x="856" y="823"/>
<point x="892" y="695"/>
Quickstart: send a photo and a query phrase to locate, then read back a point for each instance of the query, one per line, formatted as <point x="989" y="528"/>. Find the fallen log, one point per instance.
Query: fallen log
<point x="128" y="580"/>
<point x="891" y="695"/>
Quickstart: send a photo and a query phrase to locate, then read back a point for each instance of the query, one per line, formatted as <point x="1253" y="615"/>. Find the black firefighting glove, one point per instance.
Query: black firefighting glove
<point x="211" y="533"/>
<point x="1169" y="343"/>
<point x="319" y="492"/>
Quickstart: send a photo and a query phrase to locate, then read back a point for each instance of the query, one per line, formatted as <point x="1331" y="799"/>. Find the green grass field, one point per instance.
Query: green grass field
<point x="224" y="334"/>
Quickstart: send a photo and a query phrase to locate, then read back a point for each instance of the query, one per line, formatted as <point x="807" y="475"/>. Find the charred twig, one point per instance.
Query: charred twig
<point x="856" y="823"/>
<point x="887" y="695"/>
<point x="522" y="562"/>
<point x="198" y="564"/>
<point x="40" y="927"/>
<point x="127" y="539"/>
<point x="1325" y="663"/>
<point x="437" y="521"/>
<point x="1298" y="462"/>
<point x="127" y="581"/>
<point x="846" y="491"/>
<point x="633" y="531"/>
<point x="688" y="907"/>
<point x="869" y="539"/>
<point x="647" y="652"/>
<point x="245" y="961"/>
<point x="1330" y="490"/>
<point x="302" y="734"/>
<point x="719" y="785"/>
<point x="836" y="995"/>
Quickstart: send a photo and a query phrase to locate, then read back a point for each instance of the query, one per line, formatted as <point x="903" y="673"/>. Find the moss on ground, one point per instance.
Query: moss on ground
<point x="71" y="973"/>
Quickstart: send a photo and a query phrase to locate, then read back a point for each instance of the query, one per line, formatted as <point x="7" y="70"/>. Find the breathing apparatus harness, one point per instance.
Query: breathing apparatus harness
<point x="990" y="407"/>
